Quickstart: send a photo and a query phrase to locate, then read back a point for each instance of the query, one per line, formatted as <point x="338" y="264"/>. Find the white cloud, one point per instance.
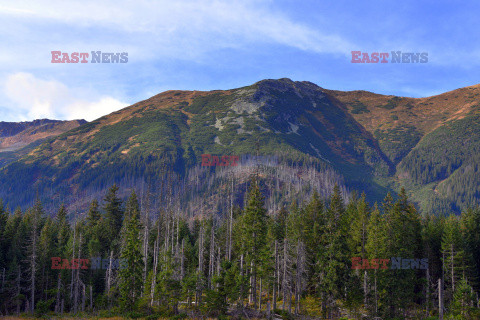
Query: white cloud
<point x="34" y="98"/>
<point x="182" y="27"/>
<point x="154" y="33"/>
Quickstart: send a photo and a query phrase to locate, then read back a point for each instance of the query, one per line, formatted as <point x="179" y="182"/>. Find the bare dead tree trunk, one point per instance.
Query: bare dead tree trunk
<point x="198" y="298"/>
<point x="376" y="296"/>
<point x="365" y="275"/>
<point x="173" y="235"/>
<point x="91" y="298"/>
<point x="77" y="277"/>
<point x="440" y="299"/>
<point x="109" y="275"/>
<point x="218" y="261"/>
<point x="279" y="275"/>
<point x="260" y="296"/>
<point x="212" y="258"/>
<point x="230" y="226"/>
<point x="57" y="302"/>
<point x="275" y="277"/>
<point x="298" y="281"/>
<point x="227" y="236"/>
<point x="178" y="229"/>
<point x="252" y="288"/>
<point x="290" y="301"/>
<point x="182" y="261"/>
<point x="154" y="275"/>
<point x="156" y="245"/>
<point x="18" y="281"/>
<point x="73" y="256"/>
<point x="452" y="268"/>
<point x="298" y="286"/>
<point x="242" y="289"/>
<point x="83" y="296"/>
<point x="146" y="230"/>
<point x="284" y="279"/>
<point x="295" y="295"/>
<point x="167" y="234"/>
<point x="33" y="260"/>
<point x="156" y="249"/>
<point x="365" y="288"/>
<point x="427" y="298"/>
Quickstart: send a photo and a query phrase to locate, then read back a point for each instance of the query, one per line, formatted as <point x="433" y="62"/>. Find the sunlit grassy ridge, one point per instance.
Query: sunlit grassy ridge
<point x="173" y="129"/>
<point x="377" y="143"/>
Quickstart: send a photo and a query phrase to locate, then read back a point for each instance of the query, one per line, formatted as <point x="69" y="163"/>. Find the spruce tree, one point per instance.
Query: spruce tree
<point x="358" y="242"/>
<point x="131" y="264"/>
<point x="313" y="222"/>
<point x="113" y="217"/>
<point x="453" y="255"/>
<point x="333" y="262"/>
<point x="253" y="234"/>
<point x="376" y="248"/>
<point x="463" y="301"/>
<point x="470" y="226"/>
<point x="403" y="242"/>
<point x="62" y="230"/>
<point x="3" y="244"/>
<point x="93" y="215"/>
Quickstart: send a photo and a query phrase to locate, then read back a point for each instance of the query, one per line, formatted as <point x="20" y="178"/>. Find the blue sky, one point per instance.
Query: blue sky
<point x="205" y="45"/>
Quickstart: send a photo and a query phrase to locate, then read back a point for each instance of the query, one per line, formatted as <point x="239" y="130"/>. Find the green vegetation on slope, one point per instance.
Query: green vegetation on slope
<point x="397" y="142"/>
<point x="292" y="119"/>
<point x="446" y="159"/>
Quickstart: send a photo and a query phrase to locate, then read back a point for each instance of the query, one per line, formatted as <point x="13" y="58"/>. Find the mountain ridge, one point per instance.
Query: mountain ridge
<point x="19" y="138"/>
<point x="367" y="138"/>
<point x="15" y="135"/>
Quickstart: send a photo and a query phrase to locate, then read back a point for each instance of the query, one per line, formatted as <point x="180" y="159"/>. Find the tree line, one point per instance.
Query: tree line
<point x="297" y="260"/>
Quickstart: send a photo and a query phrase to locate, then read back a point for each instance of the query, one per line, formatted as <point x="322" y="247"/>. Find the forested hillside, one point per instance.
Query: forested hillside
<point x="432" y="142"/>
<point x="293" y="121"/>
<point x="319" y="137"/>
<point x="324" y="258"/>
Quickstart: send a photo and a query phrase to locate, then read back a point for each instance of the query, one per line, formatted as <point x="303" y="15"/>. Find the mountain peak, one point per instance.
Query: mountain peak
<point x="285" y="83"/>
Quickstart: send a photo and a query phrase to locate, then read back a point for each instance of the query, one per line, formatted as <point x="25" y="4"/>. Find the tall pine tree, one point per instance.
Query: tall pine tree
<point x="131" y="264"/>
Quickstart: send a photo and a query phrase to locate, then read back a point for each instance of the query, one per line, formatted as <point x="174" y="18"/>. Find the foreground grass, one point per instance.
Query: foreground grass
<point x="100" y="318"/>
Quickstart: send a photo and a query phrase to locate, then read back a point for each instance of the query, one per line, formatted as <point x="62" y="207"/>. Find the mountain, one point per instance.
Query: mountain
<point x="308" y="138"/>
<point x="432" y="141"/>
<point x="18" y="138"/>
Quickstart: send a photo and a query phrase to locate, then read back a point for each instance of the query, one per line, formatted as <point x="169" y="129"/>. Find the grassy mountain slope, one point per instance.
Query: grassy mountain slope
<point x="171" y="130"/>
<point x="19" y="138"/>
<point x="398" y="123"/>
<point x="432" y="141"/>
<point x="358" y="139"/>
